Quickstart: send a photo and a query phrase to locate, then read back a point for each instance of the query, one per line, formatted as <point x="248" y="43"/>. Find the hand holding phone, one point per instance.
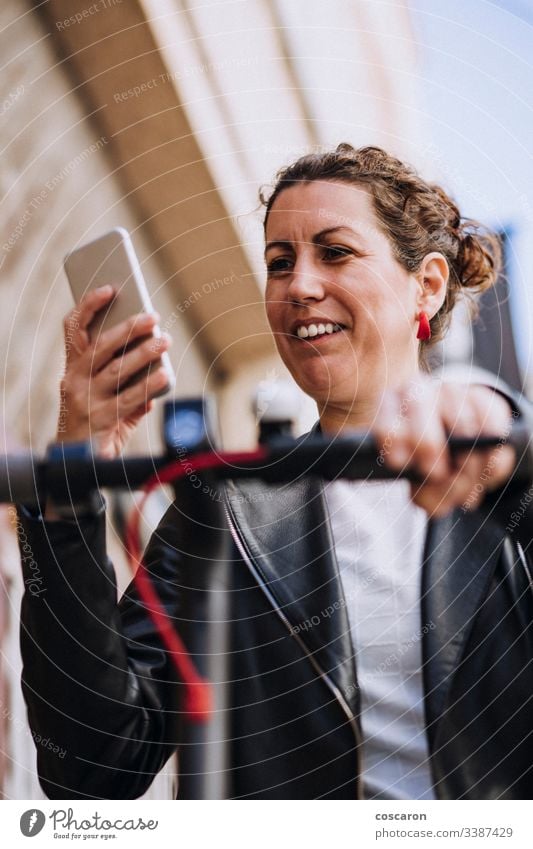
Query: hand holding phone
<point x="116" y="356"/>
<point x="111" y="260"/>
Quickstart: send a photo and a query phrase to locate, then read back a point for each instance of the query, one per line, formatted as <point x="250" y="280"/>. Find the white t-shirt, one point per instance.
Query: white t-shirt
<point x="379" y="539"/>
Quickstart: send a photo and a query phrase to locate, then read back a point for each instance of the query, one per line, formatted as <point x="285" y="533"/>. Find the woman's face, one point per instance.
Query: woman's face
<point x="331" y="268"/>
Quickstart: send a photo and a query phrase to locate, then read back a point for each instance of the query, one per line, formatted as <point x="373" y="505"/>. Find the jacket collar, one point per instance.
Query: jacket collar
<point x="286" y="532"/>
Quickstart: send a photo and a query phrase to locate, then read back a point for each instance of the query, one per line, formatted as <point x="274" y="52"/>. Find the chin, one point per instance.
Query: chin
<point x="326" y="389"/>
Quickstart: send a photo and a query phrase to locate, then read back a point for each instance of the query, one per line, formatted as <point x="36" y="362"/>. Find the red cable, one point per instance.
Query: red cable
<point x="197" y="698"/>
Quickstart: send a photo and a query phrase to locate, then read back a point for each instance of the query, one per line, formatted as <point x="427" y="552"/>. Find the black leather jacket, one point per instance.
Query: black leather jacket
<point x="98" y="684"/>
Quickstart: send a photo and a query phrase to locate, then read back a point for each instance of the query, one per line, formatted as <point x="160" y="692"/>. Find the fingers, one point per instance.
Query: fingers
<point x="413" y="427"/>
<point x="418" y="441"/>
<point x="77" y="321"/>
<point x="96" y="398"/>
<point x="141" y="411"/>
<point x="483" y="471"/>
<point x="122" y="368"/>
<point x="99" y="351"/>
<point x="410" y="431"/>
<point x="131" y="403"/>
<point x="461" y="416"/>
<point x="117" y="338"/>
<point x="91" y="397"/>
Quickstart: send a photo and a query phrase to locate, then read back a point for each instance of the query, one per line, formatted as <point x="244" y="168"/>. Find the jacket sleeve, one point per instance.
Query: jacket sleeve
<point x="101" y="697"/>
<point x="511" y="505"/>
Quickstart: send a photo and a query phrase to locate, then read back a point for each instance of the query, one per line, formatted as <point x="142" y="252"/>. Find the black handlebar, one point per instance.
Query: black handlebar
<point x="71" y="471"/>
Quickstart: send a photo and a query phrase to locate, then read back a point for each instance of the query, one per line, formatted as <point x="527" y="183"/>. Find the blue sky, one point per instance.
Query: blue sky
<point x="476" y="84"/>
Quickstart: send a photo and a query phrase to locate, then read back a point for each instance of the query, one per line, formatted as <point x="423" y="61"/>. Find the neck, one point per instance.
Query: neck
<point x="334" y="418"/>
<point x="359" y="414"/>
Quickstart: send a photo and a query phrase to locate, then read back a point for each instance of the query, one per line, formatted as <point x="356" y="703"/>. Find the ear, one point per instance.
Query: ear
<point x="432" y="277"/>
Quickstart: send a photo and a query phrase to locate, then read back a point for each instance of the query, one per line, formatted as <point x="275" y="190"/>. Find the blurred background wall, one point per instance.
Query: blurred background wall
<point x="165" y="117"/>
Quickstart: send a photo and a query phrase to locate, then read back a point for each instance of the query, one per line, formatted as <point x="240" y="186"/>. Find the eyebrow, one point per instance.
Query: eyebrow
<point x="316" y="239"/>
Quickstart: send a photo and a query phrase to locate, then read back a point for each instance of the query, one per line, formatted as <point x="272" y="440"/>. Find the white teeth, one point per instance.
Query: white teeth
<point x="303" y="332"/>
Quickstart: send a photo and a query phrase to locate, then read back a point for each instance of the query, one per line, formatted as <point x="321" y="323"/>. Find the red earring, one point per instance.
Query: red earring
<point x="424" y="330"/>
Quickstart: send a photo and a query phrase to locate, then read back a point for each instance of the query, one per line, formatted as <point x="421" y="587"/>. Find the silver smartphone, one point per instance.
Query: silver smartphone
<point x="111" y="259"/>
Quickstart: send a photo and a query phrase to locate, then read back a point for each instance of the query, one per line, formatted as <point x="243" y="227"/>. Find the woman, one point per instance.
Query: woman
<point x="381" y="641"/>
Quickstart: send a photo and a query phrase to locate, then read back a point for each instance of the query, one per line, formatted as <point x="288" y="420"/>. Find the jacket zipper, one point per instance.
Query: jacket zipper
<point x="318" y="669"/>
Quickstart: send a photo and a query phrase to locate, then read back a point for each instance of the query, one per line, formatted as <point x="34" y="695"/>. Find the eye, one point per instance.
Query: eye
<point x="333" y="252"/>
<point x="279" y="265"/>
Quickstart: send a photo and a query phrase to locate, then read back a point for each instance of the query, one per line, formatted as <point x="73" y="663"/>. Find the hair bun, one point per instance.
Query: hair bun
<point x="479" y="258"/>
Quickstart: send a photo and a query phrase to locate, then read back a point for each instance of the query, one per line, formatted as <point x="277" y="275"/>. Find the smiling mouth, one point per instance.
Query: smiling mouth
<point x="313" y="332"/>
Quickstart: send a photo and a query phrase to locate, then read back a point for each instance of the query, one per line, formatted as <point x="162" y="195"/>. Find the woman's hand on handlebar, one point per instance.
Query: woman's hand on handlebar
<point x="94" y="404"/>
<point x="412" y="429"/>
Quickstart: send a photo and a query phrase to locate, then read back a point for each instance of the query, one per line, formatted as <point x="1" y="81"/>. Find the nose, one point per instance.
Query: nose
<point x="306" y="283"/>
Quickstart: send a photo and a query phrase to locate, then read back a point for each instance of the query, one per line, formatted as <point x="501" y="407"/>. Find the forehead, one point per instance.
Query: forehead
<point x="320" y="204"/>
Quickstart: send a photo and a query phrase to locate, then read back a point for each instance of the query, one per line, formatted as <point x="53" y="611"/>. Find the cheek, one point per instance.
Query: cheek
<point x="274" y="318"/>
<point x="268" y="302"/>
<point x="389" y="301"/>
<point x="275" y="302"/>
<point x="271" y="312"/>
